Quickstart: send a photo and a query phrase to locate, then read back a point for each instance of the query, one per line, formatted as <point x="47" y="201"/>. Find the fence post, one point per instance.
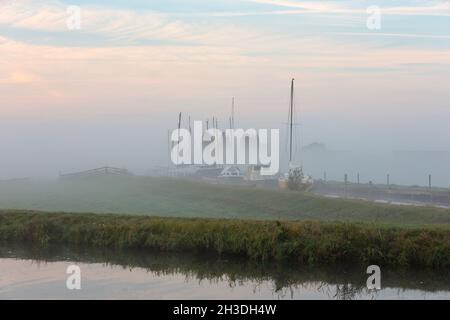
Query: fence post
<point x="346" y="182"/>
<point x="429" y="188"/>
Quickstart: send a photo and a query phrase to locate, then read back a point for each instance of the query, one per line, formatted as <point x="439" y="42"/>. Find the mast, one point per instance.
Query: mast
<point x="178" y="145"/>
<point x="232" y="113"/>
<point x="169" y="144"/>
<point x="291" y="113"/>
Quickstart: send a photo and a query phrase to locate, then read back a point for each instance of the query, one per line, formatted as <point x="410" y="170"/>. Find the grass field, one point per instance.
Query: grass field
<point x="304" y="243"/>
<point x="182" y="198"/>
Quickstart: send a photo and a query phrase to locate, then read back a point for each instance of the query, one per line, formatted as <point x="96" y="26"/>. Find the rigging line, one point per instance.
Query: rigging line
<point x="294" y="131"/>
<point x="286" y="137"/>
<point x="286" y="140"/>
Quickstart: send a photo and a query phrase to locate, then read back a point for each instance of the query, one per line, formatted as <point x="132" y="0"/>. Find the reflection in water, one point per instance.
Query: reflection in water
<point x="30" y="272"/>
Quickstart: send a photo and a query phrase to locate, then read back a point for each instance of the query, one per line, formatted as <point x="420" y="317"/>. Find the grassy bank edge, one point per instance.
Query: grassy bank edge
<point x="305" y="242"/>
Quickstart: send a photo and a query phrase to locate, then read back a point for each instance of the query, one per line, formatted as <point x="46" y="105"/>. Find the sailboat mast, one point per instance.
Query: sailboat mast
<point x="178" y="145"/>
<point x="232" y="113"/>
<point x="291" y="113"/>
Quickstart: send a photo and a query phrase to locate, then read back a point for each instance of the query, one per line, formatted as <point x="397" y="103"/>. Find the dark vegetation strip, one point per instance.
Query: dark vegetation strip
<point x="235" y="269"/>
<point x="301" y="242"/>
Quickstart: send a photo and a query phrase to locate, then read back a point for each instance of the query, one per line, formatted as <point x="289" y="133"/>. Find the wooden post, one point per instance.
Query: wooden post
<point x="429" y="188"/>
<point x="346" y="182"/>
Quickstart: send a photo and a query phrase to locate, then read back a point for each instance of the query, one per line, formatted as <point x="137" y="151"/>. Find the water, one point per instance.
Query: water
<point x="31" y="273"/>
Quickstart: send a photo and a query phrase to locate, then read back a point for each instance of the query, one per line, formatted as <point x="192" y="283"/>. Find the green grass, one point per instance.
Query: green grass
<point x="304" y="243"/>
<point x="175" y="215"/>
<point x="181" y="198"/>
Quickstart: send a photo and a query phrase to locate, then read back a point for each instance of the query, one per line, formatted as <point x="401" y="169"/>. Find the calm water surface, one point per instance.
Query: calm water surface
<point x="30" y="273"/>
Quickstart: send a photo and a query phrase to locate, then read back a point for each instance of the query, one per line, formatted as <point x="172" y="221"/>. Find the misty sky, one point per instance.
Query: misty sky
<point x="107" y="94"/>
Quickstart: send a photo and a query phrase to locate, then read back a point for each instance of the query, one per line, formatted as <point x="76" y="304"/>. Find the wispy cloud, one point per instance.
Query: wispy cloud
<point x="428" y="8"/>
<point x="120" y="25"/>
<point x="128" y="26"/>
<point x="35" y="15"/>
<point x="214" y="53"/>
<point x="395" y="35"/>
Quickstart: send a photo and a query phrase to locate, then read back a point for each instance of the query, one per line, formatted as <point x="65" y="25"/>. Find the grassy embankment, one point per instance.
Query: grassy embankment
<point x="299" y="242"/>
<point x="313" y="229"/>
